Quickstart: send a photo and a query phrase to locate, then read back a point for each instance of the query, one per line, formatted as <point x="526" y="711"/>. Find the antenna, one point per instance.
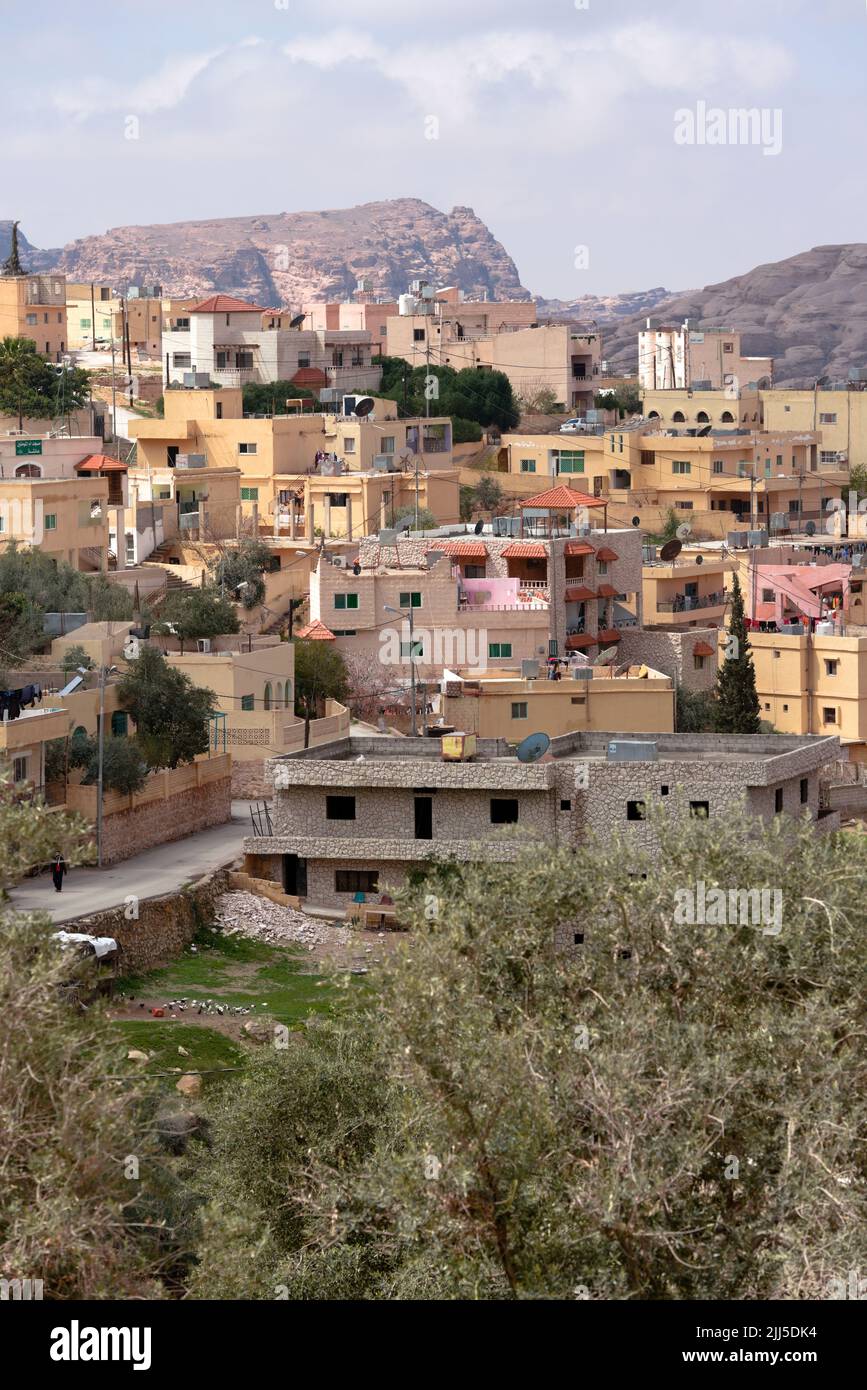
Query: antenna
<point x="532" y="748"/>
<point x="671" y="550"/>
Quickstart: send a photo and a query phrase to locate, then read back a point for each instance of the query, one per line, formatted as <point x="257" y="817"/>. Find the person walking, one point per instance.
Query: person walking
<point x="58" y="869"/>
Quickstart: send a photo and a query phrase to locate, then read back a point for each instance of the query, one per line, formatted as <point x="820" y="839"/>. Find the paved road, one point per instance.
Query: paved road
<point x="148" y="875"/>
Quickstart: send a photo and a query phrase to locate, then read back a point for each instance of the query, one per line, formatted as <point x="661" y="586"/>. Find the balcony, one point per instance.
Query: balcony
<point x="691" y="603"/>
<point x="32" y="726"/>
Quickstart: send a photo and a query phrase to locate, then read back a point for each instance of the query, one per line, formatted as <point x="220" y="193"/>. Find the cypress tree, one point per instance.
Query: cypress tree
<point x="738" y="708"/>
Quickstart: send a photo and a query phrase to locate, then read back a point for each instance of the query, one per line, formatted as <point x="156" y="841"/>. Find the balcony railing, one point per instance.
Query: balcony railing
<point x="689" y="603"/>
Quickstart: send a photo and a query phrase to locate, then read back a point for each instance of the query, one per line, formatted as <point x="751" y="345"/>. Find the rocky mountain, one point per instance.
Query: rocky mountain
<point x="288" y="257"/>
<point x="809" y="312"/>
<point x="604" y="308"/>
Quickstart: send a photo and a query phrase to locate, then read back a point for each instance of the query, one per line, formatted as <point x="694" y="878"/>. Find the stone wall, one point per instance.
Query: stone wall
<point x="672" y="653"/>
<point x="126" y="833"/>
<point x="248" y="780"/>
<point x="163" y="928"/>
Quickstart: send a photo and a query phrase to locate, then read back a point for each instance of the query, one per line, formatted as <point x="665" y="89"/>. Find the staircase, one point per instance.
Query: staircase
<point x="160" y="559"/>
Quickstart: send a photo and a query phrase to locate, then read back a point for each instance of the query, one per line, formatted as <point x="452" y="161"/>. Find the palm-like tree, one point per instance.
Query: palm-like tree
<point x="18" y="358"/>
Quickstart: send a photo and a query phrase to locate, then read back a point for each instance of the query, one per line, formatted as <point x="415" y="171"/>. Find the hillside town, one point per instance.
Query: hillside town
<point x="433" y="710"/>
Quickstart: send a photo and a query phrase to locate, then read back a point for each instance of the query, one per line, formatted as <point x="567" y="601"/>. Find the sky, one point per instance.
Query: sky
<point x="592" y="136"/>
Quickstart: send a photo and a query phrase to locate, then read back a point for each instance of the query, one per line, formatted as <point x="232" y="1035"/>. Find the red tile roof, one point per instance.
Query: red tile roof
<point x="703" y="649"/>
<point x="607" y="591"/>
<point x="578" y="593"/>
<point x="525" y="550"/>
<point x="609" y="634"/>
<point x="309" y="376"/>
<point x="316" y="632"/>
<point x="607" y="554"/>
<point x="563" y="497"/>
<point x="100" y="463"/>
<point x="462" y="550"/>
<point x="577" y="548"/>
<point x="583" y="639"/>
<point x="225" y="304"/>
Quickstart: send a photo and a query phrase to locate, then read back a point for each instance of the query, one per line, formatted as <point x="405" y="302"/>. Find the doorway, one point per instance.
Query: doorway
<point x="294" y="876"/>
<point x="424" y="817"/>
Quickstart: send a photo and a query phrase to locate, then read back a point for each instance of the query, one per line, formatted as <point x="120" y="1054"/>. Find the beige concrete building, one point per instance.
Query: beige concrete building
<point x="838" y="416"/>
<point x="34" y="307"/>
<point x="814" y="684"/>
<point x="348" y="827"/>
<point x="688" y="592"/>
<point x="510" y="707"/>
<point x="672" y="358"/>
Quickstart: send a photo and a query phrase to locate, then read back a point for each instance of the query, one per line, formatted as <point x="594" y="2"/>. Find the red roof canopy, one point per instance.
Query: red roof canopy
<point x="461" y="550"/>
<point x="609" y="634"/>
<point x="309" y="376"/>
<point x="578" y="593"/>
<point x="577" y="548"/>
<point x="225" y="304"/>
<point x="702" y="649"/>
<point x="607" y="591"/>
<point x="582" y="639"/>
<point x="100" y="463"/>
<point x="563" y="497"/>
<point x="607" y="554"/>
<point x="316" y="632"/>
<point x="524" y="550"/>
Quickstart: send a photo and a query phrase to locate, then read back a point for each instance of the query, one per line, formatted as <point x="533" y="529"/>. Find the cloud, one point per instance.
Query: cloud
<point x="160" y="91"/>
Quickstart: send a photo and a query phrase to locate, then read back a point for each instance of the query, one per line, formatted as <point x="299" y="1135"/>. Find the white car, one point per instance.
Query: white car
<point x="574" y="426"/>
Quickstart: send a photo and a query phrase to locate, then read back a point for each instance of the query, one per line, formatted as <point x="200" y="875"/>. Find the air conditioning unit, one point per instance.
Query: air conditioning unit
<point x="582" y="673"/>
<point x="203" y="644"/>
<point x="339" y="562"/>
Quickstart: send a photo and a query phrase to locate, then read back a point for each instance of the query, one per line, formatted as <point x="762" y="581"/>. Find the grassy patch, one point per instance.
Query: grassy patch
<point x="207" y="1047"/>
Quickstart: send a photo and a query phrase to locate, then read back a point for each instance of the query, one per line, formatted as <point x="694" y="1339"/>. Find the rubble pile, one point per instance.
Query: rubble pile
<point x="245" y="914"/>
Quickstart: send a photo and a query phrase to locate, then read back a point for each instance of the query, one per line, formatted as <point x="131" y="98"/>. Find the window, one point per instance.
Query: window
<point x="829" y="715"/>
<point x="636" y="810"/>
<point x="678" y="417"/>
<point x="219" y="410"/>
<point x="84" y="323"/>
<point x="418" y="335"/>
<point x="248" y="448"/>
<point x="831" y="667"/>
<point x="566" y="805"/>
<point x="51" y="521"/>
<point x="504" y="810"/>
<point x="410" y="600"/>
<point x="340" y="808"/>
<point x="681" y="466"/>
<point x="684" y="506"/>
<point x="767" y="595"/>
<point x="349" y="446"/>
<point x="267" y="696"/>
<point x="499" y="649"/>
<point x="727" y="417"/>
<point x="702" y="418"/>
<point x="249" y="494"/>
<point x="805" y="790"/>
<point x="570" y="460"/>
<point x="728" y="347"/>
<point x="346" y="600"/>
<point x="528" y="465"/>
<point x="304" y="359"/>
<point x="387" y="444"/>
<point x="785" y="709"/>
<point x="356" y="880"/>
<point x="717" y="465"/>
<point x="474" y="571"/>
<point x="778" y="801"/>
<point x="181" y="359"/>
<point x="2" y="524"/>
<point x="32" y="319"/>
<point x="119" y="723"/>
<point x="827" y="455"/>
<point x="345" y="631"/>
<point x="601" y="566"/>
<point x="247" y="702"/>
<point x="698" y="662"/>
<point x="827" y="417"/>
<point x="519" y="709"/>
<point x="699" y="808"/>
<point x="413" y="650"/>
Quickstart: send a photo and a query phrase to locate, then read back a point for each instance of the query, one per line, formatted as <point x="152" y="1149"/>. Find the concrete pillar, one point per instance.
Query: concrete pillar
<point x="326" y="524"/>
<point x="202" y="520"/>
<point x="120" y="532"/>
<point x="383" y="511"/>
<point x="292" y="518"/>
<point x="256" y="520"/>
<point x="310" y="523"/>
<point x="349" y="516"/>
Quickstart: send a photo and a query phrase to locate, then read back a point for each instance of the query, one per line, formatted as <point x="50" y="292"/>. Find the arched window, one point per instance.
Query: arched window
<point x="703" y="418"/>
<point x="727" y="417"/>
<point x="654" y="415"/>
<point x="267" y="701"/>
<point x="678" y="417"/>
<point x="28" y="470"/>
<point x="288" y="694"/>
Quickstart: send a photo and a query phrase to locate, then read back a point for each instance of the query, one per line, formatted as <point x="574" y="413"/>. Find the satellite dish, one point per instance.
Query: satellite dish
<point x="602" y="658"/>
<point x="405" y="455"/>
<point x="671" y="550"/>
<point x="810" y="528"/>
<point x="297" y="321"/>
<point x="479" y="527"/>
<point x="699" y="559"/>
<point x="406" y="523"/>
<point x="532" y="748"/>
<point x="683" y="531"/>
<point x="705" y="430"/>
<point x="363" y="406"/>
<point x="636" y="521"/>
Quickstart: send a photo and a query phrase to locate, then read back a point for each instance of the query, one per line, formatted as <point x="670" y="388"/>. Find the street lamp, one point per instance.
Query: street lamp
<point x="400" y="613"/>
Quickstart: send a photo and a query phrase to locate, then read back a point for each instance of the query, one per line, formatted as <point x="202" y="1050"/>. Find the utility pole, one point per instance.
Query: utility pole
<point x="414" y="724"/>
<point x="113" y="392"/>
<point x="753" y="527"/>
<point x="92" y="317"/>
<point x="102" y="674"/>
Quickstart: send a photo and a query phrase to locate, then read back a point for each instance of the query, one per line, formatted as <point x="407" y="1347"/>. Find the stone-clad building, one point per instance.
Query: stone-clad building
<point x="358" y="815"/>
